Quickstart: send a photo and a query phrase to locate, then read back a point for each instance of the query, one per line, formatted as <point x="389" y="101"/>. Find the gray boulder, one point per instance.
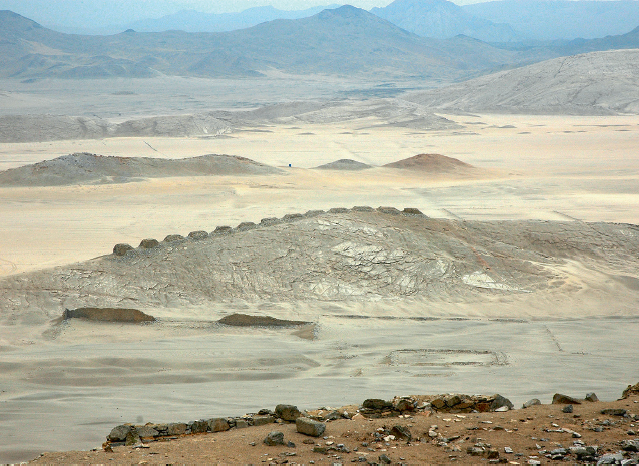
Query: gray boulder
<point x="558" y="398"/>
<point x="176" y="428"/>
<point x="222" y="230"/>
<point x="218" y="425"/>
<point x="412" y="211"/>
<point x="500" y="402"/>
<point x="274" y="438"/>
<point x="149" y="243"/>
<point x="199" y="426"/>
<point x="244" y="226"/>
<point x="338" y="210"/>
<point x="592" y="397"/>
<point x="118" y="433"/>
<point x="376" y="404"/>
<point x="121" y="249"/>
<point x="287" y="412"/>
<point x="147" y="431"/>
<point x="198" y="235"/>
<point x="173" y="238"/>
<point x="263" y="420"/>
<point x="630" y="445"/>
<point x="614" y="411"/>
<point x="362" y="208"/>
<point x="310" y="427"/>
<point x="529" y="403"/>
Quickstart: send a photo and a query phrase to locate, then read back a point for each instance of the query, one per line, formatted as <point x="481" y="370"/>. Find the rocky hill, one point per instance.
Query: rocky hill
<point x="359" y="254"/>
<point x="592" y="83"/>
<point x="92" y="168"/>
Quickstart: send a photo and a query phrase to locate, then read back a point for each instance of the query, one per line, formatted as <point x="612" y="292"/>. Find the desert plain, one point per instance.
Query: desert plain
<point x="519" y="276"/>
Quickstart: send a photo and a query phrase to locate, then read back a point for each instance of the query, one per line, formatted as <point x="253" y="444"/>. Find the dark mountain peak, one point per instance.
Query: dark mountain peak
<point x="345" y="11"/>
<point x="13" y="21"/>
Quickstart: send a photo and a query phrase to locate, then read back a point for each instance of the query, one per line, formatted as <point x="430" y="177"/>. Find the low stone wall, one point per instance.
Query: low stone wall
<point x="122" y="249"/>
<point x="132" y="434"/>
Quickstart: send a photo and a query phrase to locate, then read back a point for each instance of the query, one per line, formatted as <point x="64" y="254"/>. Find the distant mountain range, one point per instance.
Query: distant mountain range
<point x="494" y="21"/>
<point x="196" y="21"/>
<point x="342" y="41"/>
<point x="561" y="19"/>
<point x="443" y="19"/>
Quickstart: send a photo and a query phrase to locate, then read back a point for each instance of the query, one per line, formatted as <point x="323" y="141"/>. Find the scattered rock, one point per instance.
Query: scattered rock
<point x="401" y="432"/>
<point x="287" y="412"/>
<point x="558" y="398"/>
<point x="592" y="397"/>
<point x="533" y="402"/>
<point x="500" y="402"/>
<point x="310" y="427"/>
<point x="121" y="249"/>
<point x="384" y="459"/>
<point x="567" y="409"/>
<point x="274" y="438"/>
<point x="149" y="243"/>
<point x="630" y="390"/>
<point x="412" y="211"/>
<point x="198" y="235"/>
<point x="614" y="411"/>
<point x="610" y="458"/>
<point x="630" y="445"/>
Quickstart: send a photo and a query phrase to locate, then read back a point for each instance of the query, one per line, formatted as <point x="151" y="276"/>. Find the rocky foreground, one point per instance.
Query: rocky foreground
<point x="415" y="429"/>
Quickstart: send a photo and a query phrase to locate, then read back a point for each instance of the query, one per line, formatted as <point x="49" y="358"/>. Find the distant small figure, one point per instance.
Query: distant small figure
<point x="290" y="165"/>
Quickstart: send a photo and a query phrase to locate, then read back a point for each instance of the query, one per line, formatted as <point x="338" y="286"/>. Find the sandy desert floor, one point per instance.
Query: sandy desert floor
<point x="67" y="392"/>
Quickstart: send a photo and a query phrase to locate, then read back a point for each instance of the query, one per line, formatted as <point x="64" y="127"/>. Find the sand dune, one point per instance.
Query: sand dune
<point x="344" y="164"/>
<point x="432" y="163"/>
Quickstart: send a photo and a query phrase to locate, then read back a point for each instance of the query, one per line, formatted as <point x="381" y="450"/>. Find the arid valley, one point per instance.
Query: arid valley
<point x="419" y="239"/>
